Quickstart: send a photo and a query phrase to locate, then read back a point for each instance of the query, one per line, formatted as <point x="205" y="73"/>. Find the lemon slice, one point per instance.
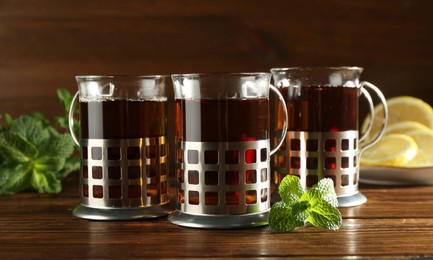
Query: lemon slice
<point x="390" y="150"/>
<point x="402" y="108"/>
<point x="424" y="156"/>
<point x="405" y="127"/>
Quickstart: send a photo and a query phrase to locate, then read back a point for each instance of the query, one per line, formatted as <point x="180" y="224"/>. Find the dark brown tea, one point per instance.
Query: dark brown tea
<point x="320" y="109"/>
<point x="226" y="120"/>
<point x="316" y="109"/>
<point x="121" y="119"/>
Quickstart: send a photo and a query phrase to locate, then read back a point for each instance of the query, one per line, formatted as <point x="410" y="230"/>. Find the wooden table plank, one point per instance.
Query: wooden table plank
<point x="396" y="221"/>
<point x="169" y="241"/>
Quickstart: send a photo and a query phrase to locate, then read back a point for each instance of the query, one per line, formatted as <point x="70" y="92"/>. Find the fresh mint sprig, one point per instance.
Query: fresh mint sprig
<point x="318" y="206"/>
<point x="34" y="154"/>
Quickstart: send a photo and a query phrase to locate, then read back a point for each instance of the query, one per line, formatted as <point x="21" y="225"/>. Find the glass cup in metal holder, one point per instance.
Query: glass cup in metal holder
<point x="124" y="148"/>
<point x="223" y="149"/>
<point x="322" y="139"/>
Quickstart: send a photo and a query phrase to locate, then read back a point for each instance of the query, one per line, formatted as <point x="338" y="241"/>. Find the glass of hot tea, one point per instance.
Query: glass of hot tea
<point x="223" y="149"/>
<point x="123" y="143"/>
<point x="322" y="138"/>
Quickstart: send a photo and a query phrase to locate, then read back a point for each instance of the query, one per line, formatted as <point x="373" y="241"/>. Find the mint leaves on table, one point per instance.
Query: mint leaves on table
<point x="318" y="206"/>
<point x="35" y="155"/>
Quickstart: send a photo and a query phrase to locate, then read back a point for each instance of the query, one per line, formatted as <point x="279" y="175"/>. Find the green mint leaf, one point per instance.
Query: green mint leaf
<point x="49" y="164"/>
<point x="300" y="209"/>
<point x="65" y="99"/>
<point x="34" y="154"/>
<point x="31" y="129"/>
<point x="62" y="146"/>
<point x="14" y="178"/>
<point x="62" y="122"/>
<point x="283" y="218"/>
<point x="72" y="164"/>
<point x="15" y="148"/>
<point x="41" y="118"/>
<point x="9" y="120"/>
<point x="323" y="200"/>
<point x="45" y="123"/>
<point x="326" y="185"/>
<point x="325" y="215"/>
<point x="290" y="189"/>
<point x="318" y="205"/>
<point x="322" y="191"/>
<point x="45" y="182"/>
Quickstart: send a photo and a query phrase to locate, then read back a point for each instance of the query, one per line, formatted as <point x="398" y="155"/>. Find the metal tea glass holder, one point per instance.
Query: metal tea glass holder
<point x="126" y="177"/>
<point x="312" y="155"/>
<point x="223" y="184"/>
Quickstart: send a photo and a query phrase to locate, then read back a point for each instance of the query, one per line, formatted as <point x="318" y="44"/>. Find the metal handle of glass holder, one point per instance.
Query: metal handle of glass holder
<point x="371" y="105"/>
<point x="71" y="118"/>
<point x="286" y="119"/>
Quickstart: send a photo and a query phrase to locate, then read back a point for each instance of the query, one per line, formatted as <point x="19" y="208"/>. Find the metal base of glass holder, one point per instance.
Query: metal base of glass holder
<point x="354" y="200"/>
<point x="219" y="221"/>
<point x="85" y="212"/>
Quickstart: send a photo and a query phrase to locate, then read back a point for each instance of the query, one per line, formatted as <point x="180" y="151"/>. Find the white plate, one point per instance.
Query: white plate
<point x="396" y="176"/>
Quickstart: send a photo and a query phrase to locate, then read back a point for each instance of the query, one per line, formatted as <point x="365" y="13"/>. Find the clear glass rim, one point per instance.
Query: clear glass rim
<point x="308" y="68"/>
<point x="214" y="74"/>
<point x="106" y="77"/>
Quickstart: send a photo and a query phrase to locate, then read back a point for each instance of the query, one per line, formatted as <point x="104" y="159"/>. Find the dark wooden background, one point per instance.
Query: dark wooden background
<point x="45" y="43"/>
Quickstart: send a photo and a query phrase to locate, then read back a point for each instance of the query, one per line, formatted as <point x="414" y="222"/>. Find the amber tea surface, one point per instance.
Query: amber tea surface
<point x="320" y="108"/>
<point x="225" y="120"/>
<point x="121" y="119"/>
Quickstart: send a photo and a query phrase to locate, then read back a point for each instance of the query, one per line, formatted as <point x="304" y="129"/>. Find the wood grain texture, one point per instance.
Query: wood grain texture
<point x="395" y="222"/>
<point x="45" y="43"/>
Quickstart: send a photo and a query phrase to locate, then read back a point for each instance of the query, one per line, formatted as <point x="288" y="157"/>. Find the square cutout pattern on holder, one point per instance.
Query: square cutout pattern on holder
<point x="233" y="185"/>
<point x="104" y="169"/>
<point x="332" y="153"/>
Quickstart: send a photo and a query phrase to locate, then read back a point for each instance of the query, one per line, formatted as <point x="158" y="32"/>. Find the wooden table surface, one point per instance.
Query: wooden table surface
<point x="396" y="221"/>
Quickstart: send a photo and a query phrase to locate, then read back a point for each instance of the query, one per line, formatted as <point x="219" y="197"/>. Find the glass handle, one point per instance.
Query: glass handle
<point x="370" y="124"/>
<point x="371" y="107"/>
<point x="286" y="119"/>
<point x="71" y="118"/>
